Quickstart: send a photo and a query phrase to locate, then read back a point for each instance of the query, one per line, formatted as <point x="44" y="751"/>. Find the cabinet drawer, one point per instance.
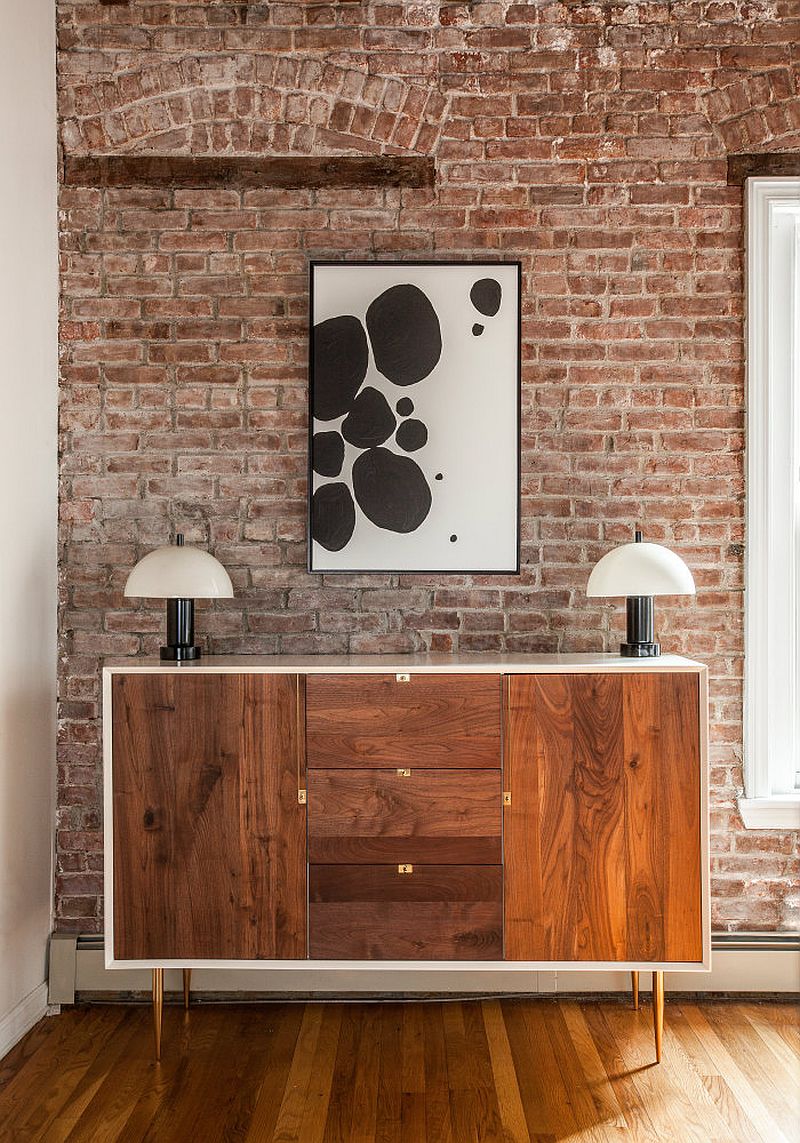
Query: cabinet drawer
<point x="374" y="912"/>
<point x="450" y="817"/>
<point x="430" y="720"/>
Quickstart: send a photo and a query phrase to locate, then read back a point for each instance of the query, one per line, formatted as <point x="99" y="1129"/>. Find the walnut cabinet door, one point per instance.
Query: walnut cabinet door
<point x="209" y="839"/>
<point x="603" y="835"/>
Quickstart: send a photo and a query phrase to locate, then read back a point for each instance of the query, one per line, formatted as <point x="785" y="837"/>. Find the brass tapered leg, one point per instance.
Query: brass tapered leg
<point x="635" y="989"/>
<point x="658" y="1011"/>
<point x="158" y="1007"/>
<point x="187" y="985"/>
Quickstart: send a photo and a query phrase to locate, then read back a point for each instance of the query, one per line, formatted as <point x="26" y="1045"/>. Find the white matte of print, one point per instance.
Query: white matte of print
<point x="414" y="414"/>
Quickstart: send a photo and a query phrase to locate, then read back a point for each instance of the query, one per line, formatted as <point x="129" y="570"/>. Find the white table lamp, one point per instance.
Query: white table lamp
<point x="179" y="574"/>
<point x="640" y="571"/>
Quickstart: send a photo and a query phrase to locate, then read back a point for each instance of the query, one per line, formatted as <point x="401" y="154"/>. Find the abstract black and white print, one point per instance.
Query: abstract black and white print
<point x="414" y="417"/>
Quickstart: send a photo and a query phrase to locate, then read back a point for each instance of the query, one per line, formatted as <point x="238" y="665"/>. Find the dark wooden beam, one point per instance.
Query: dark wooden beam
<point x="289" y="171"/>
<point x="777" y="164"/>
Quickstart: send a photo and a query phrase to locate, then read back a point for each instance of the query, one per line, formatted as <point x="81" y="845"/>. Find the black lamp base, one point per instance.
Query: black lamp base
<point x="640" y="643"/>
<point x="179" y="653"/>
<point x="180" y="646"/>
<point x="639" y="650"/>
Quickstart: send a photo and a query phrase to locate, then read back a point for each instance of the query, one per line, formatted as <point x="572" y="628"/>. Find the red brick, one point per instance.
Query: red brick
<point x="600" y="164"/>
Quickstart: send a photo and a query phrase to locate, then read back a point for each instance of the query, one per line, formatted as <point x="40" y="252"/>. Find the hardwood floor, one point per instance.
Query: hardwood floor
<point x="458" y="1072"/>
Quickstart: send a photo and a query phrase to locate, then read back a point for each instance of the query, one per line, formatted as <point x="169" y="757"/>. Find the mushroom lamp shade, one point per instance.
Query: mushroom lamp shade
<point x="179" y="574"/>
<point x="640" y="571"/>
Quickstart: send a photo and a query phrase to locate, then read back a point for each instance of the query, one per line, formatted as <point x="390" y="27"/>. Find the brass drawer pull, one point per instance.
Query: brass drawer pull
<point x="405" y="869"/>
<point x="403" y="773"/>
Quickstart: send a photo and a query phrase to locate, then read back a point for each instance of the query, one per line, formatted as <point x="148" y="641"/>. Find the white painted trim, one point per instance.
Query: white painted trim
<point x="420" y="966"/>
<point x="705" y="820"/>
<point x="108" y="822"/>
<point x="777" y="812"/>
<point x="22" y="1018"/>
<point x="734" y="970"/>
<point x="392" y="664"/>
<point x="771" y="683"/>
<point x="543" y="664"/>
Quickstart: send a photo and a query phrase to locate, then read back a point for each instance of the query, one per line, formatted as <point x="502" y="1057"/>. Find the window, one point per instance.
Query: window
<point x="772" y="584"/>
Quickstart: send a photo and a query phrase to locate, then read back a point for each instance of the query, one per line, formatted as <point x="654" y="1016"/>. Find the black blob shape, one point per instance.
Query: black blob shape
<point x="327" y="453"/>
<point x="405" y="406"/>
<point x="333" y="516"/>
<point x="405" y="334"/>
<point x="341" y="356"/>
<point x="370" y="422"/>
<point x="477" y="330"/>
<point x="391" y="490"/>
<point x="411" y="435"/>
<point x="438" y="476"/>
<point x="485" y="296"/>
<point x="453" y="538"/>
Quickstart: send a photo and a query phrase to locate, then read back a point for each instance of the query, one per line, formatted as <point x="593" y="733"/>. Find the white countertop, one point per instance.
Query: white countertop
<point x="395" y="664"/>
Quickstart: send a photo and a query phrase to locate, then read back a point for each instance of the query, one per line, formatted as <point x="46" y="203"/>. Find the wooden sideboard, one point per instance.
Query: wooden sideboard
<point x="502" y="812"/>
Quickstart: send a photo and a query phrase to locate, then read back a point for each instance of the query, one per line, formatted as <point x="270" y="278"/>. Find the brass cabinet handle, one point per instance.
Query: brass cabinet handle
<point x="405" y="869"/>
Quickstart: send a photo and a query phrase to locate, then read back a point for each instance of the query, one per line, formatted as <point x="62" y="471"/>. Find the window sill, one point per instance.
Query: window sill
<point x="780" y="811"/>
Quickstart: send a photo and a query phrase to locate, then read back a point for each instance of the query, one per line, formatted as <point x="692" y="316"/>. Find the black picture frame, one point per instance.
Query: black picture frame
<point x="400" y="264"/>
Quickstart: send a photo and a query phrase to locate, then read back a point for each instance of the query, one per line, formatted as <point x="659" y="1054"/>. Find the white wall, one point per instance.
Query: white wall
<point x="28" y="483"/>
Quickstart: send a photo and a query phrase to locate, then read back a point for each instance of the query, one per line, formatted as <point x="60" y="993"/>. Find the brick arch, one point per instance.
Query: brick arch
<point x="247" y="105"/>
<point x="756" y="111"/>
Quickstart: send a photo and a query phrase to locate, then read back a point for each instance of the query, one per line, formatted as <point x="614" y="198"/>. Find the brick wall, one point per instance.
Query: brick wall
<point x="586" y="139"/>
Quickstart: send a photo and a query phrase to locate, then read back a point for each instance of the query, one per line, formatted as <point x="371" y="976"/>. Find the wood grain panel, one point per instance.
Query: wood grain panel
<point x="431" y="720"/>
<point x="645" y="858"/>
<point x="209" y="840"/>
<point x="405" y="927"/>
<point x="662" y="774"/>
<point x="442" y="816"/>
<point x="565" y="767"/>
<point x="603" y="838"/>
<point x="771" y="164"/>
<point x="378" y="850"/>
<point x="286" y="171"/>
<point x="426" y="883"/>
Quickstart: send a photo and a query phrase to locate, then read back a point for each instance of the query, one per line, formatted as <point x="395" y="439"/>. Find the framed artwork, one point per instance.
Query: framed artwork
<point x="414" y="399"/>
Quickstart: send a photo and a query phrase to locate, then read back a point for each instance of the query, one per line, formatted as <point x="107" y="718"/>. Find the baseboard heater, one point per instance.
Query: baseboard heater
<point x="738" y="971"/>
<point x="752" y="942"/>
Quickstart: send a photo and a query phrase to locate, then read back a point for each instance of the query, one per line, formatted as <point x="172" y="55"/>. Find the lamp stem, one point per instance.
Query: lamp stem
<point x="640" y="642"/>
<point x="180" y="631"/>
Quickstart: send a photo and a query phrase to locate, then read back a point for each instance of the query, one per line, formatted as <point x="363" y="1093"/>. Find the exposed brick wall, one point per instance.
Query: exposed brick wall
<point x="587" y="139"/>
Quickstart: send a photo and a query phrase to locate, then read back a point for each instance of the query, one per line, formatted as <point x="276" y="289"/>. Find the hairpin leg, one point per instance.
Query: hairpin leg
<point x="635" y="989"/>
<point x="187" y="985"/>
<point x="658" y="1011"/>
<point x="158" y="1007"/>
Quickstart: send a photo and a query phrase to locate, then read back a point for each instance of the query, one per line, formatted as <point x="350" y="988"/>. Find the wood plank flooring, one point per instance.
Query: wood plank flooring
<point x="499" y="1071"/>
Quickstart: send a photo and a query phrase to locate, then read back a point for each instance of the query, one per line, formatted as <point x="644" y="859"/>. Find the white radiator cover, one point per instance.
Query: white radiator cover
<point x="755" y="969"/>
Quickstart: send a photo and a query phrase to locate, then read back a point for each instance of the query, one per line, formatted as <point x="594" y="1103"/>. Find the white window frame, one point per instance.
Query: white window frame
<point x="772" y="564"/>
